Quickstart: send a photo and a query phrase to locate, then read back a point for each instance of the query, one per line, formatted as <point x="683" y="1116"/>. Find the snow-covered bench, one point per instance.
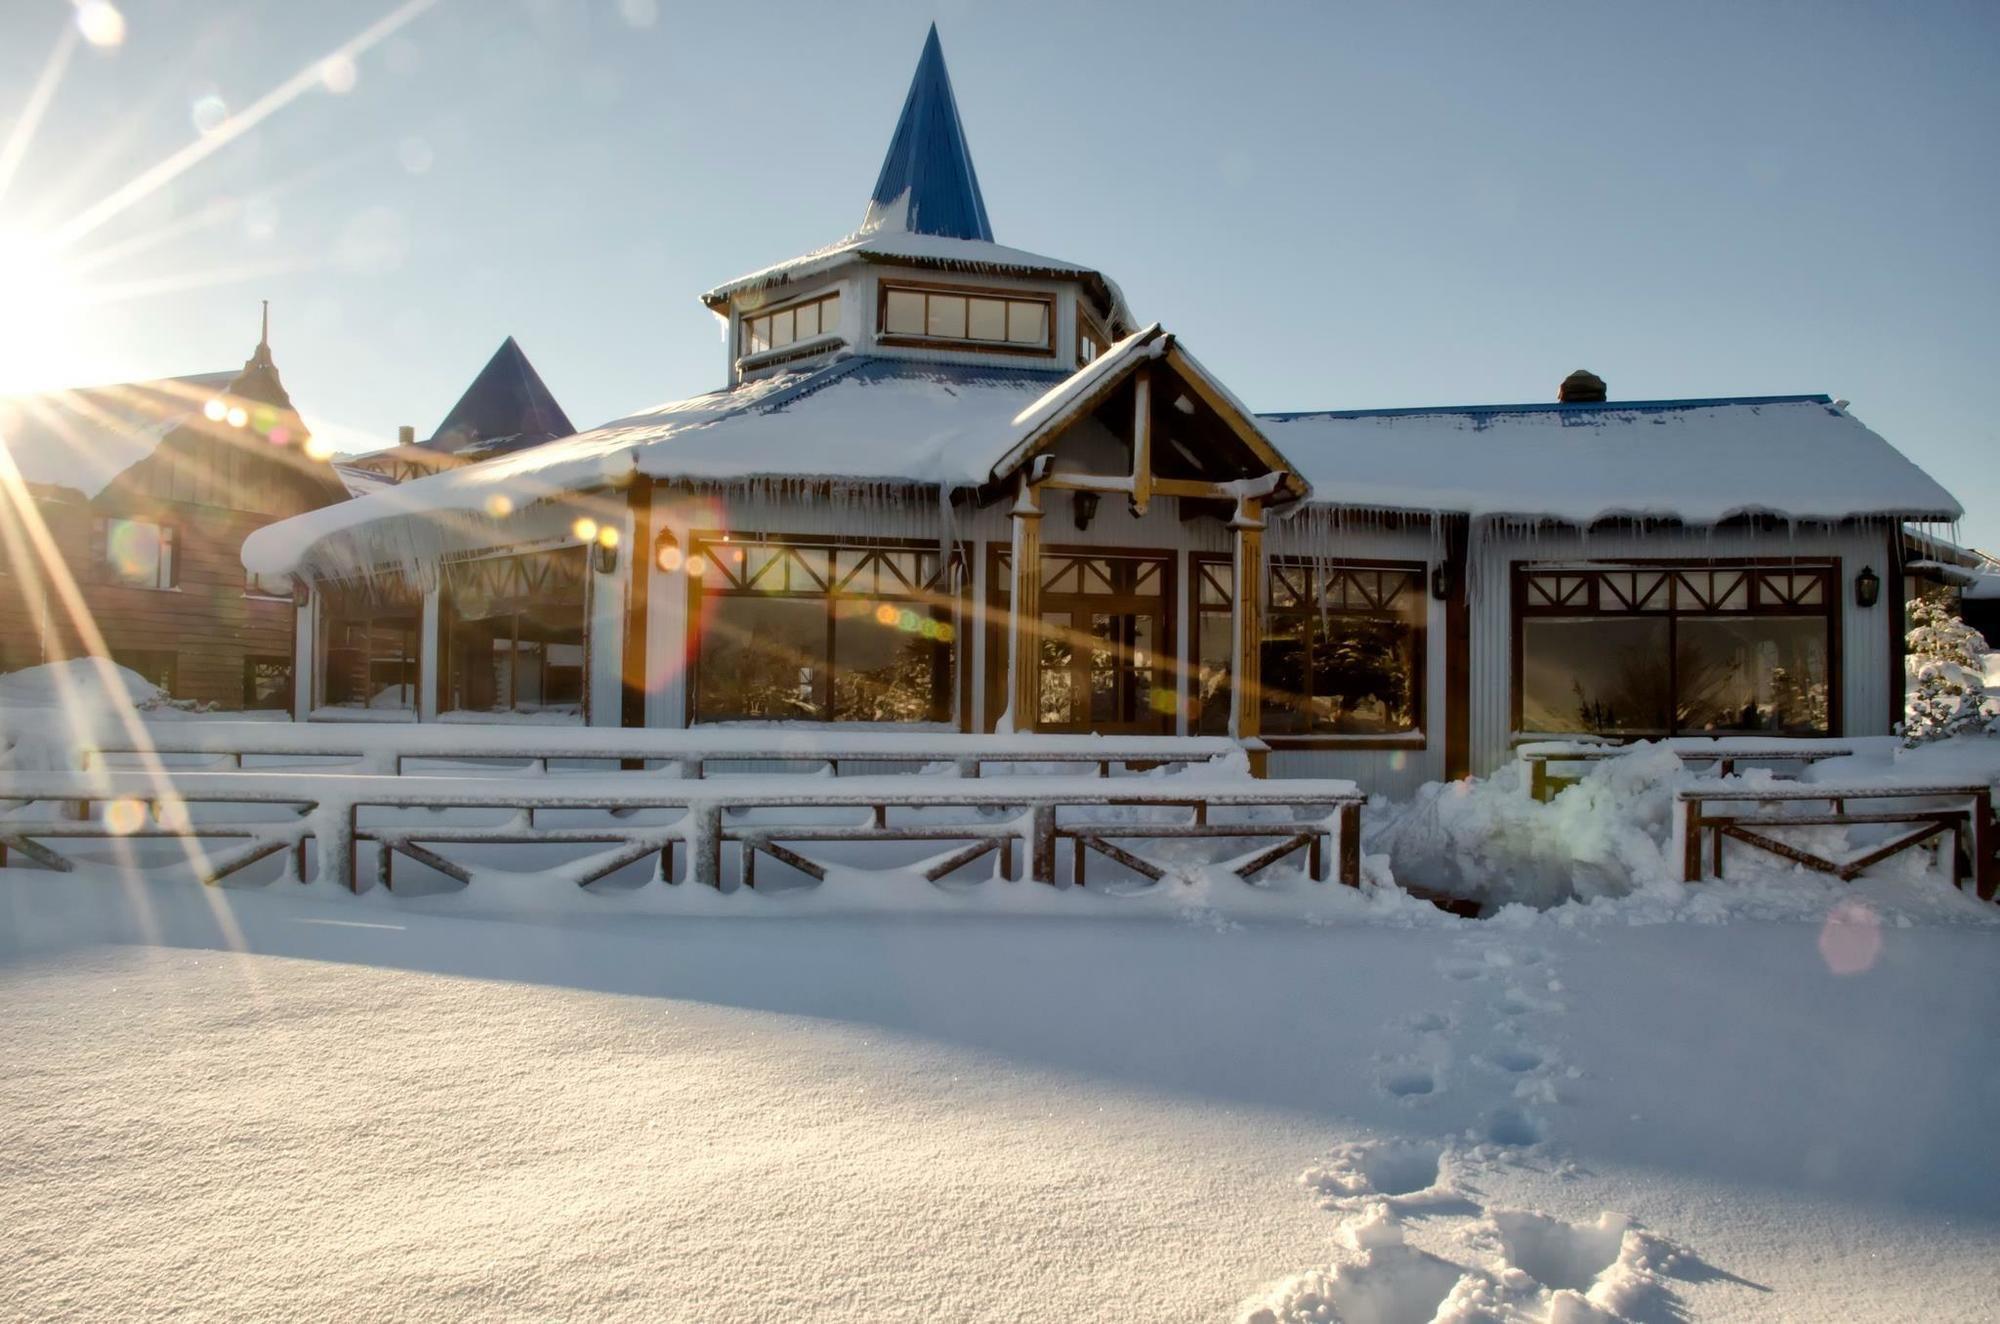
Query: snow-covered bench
<point x="1750" y="813"/>
<point x="1725" y="753"/>
<point x="413" y="816"/>
<point x="694" y="753"/>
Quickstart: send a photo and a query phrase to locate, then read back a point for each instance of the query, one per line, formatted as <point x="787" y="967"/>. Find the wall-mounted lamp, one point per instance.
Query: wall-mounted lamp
<point x="1440" y="581"/>
<point x="667" y="551"/>
<point x="1083" y="505"/>
<point x="1867" y="587"/>
<point x="606" y="555"/>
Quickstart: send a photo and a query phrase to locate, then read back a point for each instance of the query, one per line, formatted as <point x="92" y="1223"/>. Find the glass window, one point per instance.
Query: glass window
<point x="823" y="633"/>
<point x="946" y="318"/>
<point x="1027" y="322"/>
<point x="369" y="636"/>
<point x="788" y="326"/>
<point x="515" y="632"/>
<point x="782" y="329"/>
<point x="138" y="553"/>
<point x="904" y="313"/>
<point x="986" y="319"/>
<point x="941" y="315"/>
<point x="1689" y="650"/>
<point x="267" y="683"/>
<point x="1342" y="650"/>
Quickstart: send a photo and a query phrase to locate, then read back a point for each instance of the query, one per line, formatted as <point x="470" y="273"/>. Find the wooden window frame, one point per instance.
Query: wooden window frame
<point x="1045" y="349"/>
<point x="744" y="320"/>
<point x="326" y="619"/>
<point x="1417" y="737"/>
<point x="1588" y="605"/>
<point x="445" y="664"/>
<point x="171" y="548"/>
<point x="999" y="594"/>
<point x="1088" y="328"/>
<point x="955" y="705"/>
<point x="251" y="662"/>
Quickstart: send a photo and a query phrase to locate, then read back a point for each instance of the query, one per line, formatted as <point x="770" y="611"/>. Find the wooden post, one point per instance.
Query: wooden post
<point x="1457" y="648"/>
<point x="705" y="846"/>
<point x="1024" y="617"/>
<point x="1984" y="879"/>
<point x="638" y="595"/>
<point x="1690" y="825"/>
<point x="1042" y="844"/>
<point x="1142" y="438"/>
<point x="1245" y="717"/>
<point x="1350" y="844"/>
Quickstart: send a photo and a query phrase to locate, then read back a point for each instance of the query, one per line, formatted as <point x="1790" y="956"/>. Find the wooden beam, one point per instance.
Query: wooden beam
<point x="1187" y="488"/>
<point x="1142" y="438"/>
<point x="1245" y="719"/>
<point x="1457" y="649"/>
<point x="638" y="597"/>
<point x="1024" y="611"/>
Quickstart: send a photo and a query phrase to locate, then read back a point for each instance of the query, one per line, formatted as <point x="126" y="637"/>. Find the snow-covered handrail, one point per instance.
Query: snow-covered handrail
<point x="376" y="748"/>
<point x="1725" y="752"/>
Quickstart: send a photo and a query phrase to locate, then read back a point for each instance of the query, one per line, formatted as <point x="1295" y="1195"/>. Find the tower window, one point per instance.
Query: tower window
<point x="1006" y="322"/>
<point x="788" y="326"/>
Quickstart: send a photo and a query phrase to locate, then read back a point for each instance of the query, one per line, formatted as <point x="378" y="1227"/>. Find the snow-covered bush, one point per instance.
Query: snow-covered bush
<point x="1947" y="670"/>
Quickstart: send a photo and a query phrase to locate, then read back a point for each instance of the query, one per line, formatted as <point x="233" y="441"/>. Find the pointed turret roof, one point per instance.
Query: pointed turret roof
<point x="507" y="408"/>
<point x="928" y="185"/>
<point x="259" y="379"/>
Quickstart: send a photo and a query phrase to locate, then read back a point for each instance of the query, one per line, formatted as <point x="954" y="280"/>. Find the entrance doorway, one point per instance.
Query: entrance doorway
<point x="1105" y="655"/>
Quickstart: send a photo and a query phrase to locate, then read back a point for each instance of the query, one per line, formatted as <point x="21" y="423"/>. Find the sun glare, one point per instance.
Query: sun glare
<point x="40" y="331"/>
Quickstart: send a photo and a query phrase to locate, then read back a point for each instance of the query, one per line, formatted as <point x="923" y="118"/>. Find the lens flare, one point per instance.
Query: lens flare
<point x="215" y="411"/>
<point x="585" y="529"/>
<point x="697" y="566"/>
<point x="124" y="817"/>
<point x="885" y="614"/>
<point x="338" y="73"/>
<point x="238" y="416"/>
<point x="100" y="23"/>
<point x="670" y="558"/>
<point x="607" y="536"/>
<point x="319" y="448"/>
<point x="499" y="505"/>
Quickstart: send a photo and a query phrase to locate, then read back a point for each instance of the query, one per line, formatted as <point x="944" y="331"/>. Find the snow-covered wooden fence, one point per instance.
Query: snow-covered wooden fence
<point x="1751" y="814"/>
<point x="632" y="817"/>
<point x="1723" y="753"/>
<point x="396" y="748"/>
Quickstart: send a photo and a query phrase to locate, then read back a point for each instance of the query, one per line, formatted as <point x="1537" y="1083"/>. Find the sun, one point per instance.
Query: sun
<point x="41" y="316"/>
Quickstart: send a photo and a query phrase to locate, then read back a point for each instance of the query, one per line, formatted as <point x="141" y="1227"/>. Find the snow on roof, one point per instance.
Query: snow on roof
<point x="1700" y="461"/>
<point x="861" y="420"/>
<point x="83" y="439"/>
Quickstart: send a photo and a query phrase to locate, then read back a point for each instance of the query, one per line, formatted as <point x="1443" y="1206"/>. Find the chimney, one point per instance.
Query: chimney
<point x="1581" y="387"/>
<point x="406" y="435"/>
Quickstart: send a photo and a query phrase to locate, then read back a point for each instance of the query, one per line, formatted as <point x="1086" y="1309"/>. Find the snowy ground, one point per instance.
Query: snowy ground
<point x="252" y="1103"/>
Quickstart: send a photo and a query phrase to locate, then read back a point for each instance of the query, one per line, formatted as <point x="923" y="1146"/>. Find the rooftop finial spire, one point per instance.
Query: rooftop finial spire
<point x="928" y="185"/>
<point x="264" y="331"/>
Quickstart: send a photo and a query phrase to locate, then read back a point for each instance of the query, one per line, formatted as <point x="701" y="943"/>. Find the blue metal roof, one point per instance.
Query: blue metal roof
<point x="507" y="408"/>
<point x="929" y="161"/>
<point x="1553" y="407"/>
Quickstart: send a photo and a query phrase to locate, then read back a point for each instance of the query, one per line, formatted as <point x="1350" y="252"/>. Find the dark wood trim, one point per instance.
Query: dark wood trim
<point x="1895" y="588"/>
<point x="638" y="609"/>
<point x="883" y="336"/>
<point x="1457" y="649"/>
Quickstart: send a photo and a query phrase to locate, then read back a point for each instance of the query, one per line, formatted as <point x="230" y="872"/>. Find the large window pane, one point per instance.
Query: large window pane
<point x="1027" y="322"/>
<point x="986" y="319"/>
<point x="139" y="553"/>
<point x="889" y="664"/>
<point x="1753" y="673"/>
<point x="515" y="640"/>
<point x="1215" y="658"/>
<point x="946" y="319"/>
<point x="1364" y="675"/>
<point x="762" y="658"/>
<point x="370" y="637"/>
<point x="1605" y="674"/>
<point x="904" y="315"/>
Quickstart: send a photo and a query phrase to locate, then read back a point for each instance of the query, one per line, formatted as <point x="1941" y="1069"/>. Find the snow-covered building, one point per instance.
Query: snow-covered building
<point x="953" y="484"/>
<point x="125" y="509"/>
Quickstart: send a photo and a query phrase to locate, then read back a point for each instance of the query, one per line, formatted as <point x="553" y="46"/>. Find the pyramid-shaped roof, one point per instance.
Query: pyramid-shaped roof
<point x="507" y="408"/>
<point x="928" y="185"/>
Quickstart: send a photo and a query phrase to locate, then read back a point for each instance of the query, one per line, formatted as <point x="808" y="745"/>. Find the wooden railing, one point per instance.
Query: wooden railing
<point x="1724" y="754"/>
<point x="693" y="753"/>
<point x="1751" y="814"/>
<point x="766" y="816"/>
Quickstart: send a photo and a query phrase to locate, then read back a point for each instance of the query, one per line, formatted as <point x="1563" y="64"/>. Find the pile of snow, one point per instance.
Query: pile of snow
<point x="82" y="684"/>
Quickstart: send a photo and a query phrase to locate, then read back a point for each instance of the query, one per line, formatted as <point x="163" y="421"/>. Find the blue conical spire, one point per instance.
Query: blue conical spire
<point x="928" y="185"/>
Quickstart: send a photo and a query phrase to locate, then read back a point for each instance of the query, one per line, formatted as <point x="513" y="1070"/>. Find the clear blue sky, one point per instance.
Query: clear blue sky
<point x="1336" y="205"/>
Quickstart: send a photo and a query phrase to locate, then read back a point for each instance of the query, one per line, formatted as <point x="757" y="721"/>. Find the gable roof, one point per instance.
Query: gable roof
<point x="80" y="440"/>
<point x="927" y="184"/>
<point x="1038" y="426"/>
<point x="507" y="408"/>
<point x="1699" y="461"/>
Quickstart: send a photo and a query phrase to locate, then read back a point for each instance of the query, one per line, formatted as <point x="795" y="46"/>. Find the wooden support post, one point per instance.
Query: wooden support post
<point x="705" y="846"/>
<point x="1350" y="844"/>
<point x="1983" y="871"/>
<point x="1245" y="717"/>
<point x="1024" y="619"/>
<point x="638" y="596"/>
<point x="1538" y="779"/>
<point x="1042" y="844"/>
<point x="1142" y="439"/>
<point x="1690" y="841"/>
